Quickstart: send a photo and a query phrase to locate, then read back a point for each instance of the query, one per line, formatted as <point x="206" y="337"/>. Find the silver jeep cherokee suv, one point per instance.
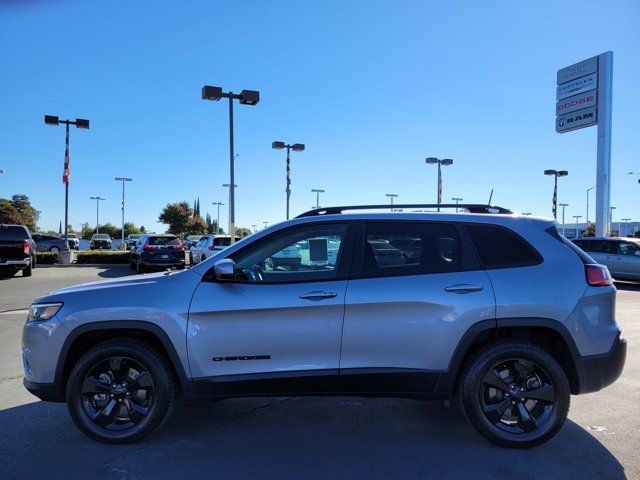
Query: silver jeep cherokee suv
<point x="497" y="309"/>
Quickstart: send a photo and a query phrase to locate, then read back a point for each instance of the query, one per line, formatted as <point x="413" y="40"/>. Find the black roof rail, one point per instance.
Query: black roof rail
<point x="470" y="207"/>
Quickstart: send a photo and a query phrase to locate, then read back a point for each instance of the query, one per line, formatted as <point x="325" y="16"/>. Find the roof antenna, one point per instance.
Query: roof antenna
<point x="490" y="196"/>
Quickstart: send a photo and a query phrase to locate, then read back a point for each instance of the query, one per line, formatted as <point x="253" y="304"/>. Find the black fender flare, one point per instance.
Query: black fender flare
<point x="185" y="381"/>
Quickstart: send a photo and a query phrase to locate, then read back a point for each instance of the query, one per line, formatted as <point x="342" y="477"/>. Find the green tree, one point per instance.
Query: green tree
<point x="590" y="231"/>
<point x="177" y="216"/>
<point x="27" y="212"/>
<point x="8" y="213"/>
<point x="130" y="229"/>
<point x="197" y="226"/>
<point x="87" y="232"/>
<point x="242" y="232"/>
<point x="142" y="229"/>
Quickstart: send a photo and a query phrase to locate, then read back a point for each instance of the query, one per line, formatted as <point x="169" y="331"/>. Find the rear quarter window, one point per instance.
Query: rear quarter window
<point x="499" y="247"/>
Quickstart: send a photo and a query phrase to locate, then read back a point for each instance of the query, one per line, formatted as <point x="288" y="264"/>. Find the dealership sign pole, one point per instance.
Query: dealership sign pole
<point x="583" y="99"/>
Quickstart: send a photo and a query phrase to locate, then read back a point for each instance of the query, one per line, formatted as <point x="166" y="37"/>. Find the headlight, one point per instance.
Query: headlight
<point x="43" y="311"/>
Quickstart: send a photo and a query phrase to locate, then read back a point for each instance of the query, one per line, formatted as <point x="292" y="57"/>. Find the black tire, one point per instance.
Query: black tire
<point x="54" y="250"/>
<point x="497" y="388"/>
<point x="28" y="271"/>
<point x="191" y="259"/>
<point x="131" y="420"/>
<point x="139" y="267"/>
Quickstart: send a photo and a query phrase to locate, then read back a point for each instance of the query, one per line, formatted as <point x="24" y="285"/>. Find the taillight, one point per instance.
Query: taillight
<point x="598" y="275"/>
<point x="149" y="247"/>
<point x="26" y="247"/>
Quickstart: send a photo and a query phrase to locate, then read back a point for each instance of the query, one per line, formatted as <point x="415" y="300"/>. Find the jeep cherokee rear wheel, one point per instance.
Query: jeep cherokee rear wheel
<point x="120" y="391"/>
<point x="515" y="394"/>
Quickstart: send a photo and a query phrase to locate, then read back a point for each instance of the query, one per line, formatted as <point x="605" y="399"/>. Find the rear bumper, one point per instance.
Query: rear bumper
<point x="599" y="371"/>
<point x="15" y="263"/>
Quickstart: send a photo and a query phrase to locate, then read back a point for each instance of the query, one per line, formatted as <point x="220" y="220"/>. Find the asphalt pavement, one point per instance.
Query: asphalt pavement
<point x="311" y="437"/>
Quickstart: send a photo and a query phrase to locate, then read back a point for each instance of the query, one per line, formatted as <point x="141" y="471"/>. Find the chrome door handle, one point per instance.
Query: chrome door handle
<point x="463" y="288"/>
<point x="318" y="295"/>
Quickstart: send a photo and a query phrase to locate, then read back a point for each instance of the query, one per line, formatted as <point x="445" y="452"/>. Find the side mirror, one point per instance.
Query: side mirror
<point x="224" y="269"/>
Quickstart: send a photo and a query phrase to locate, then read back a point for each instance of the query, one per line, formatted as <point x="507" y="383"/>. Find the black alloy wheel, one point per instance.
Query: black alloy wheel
<point x="514" y="393"/>
<point x="121" y="390"/>
<point x="117" y="393"/>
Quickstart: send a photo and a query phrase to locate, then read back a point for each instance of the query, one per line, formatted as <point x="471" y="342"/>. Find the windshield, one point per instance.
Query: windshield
<point x="13" y="232"/>
<point x="101" y="236"/>
<point x="164" y="241"/>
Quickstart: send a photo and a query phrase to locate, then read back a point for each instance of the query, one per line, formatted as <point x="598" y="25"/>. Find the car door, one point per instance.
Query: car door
<point x="628" y="260"/>
<point x="271" y="330"/>
<point x="39" y="243"/>
<point x="406" y="313"/>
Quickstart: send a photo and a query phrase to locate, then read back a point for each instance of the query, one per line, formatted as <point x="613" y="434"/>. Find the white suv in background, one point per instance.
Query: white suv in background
<point x="208" y="246"/>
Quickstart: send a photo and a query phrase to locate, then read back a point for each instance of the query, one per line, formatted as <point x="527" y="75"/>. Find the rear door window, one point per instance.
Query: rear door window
<point x="499" y="247"/>
<point x="409" y="248"/>
<point x="628" y="248"/>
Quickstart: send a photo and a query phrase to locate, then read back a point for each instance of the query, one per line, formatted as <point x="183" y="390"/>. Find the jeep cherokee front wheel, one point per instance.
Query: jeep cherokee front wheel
<point x="120" y="391"/>
<point x="515" y="394"/>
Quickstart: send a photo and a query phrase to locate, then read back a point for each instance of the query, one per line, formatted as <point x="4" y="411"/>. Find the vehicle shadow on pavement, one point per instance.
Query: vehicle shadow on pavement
<point x="312" y="437"/>
<point x="630" y="286"/>
<point x="117" y="271"/>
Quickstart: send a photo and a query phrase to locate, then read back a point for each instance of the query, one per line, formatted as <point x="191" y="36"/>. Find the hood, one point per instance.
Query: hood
<point x="129" y="281"/>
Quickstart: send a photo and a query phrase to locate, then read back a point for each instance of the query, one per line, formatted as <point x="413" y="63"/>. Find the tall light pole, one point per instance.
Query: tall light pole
<point x="563" y="205"/>
<point x="626" y="226"/>
<point x="296" y="147"/>
<point x="611" y="209"/>
<point x="255" y="228"/>
<point x="218" y="219"/>
<point x="264" y="224"/>
<point x="123" y="180"/>
<point x="79" y="123"/>
<point x="391" y="196"/>
<point x="317" y="191"/>
<point x="577" y="217"/>
<point x="556" y="174"/>
<point x="588" y="190"/>
<point x="457" y="200"/>
<point x="97" y="198"/>
<point x="439" y="162"/>
<point x="233" y="234"/>
<point x="246" y="97"/>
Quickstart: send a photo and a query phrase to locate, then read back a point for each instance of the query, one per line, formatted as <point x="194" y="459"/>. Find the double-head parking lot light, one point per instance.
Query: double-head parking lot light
<point x="97" y="198"/>
<point x="440" y="162"/>
<point x="246" y="97"/>
<point x="317" y="191"/>
<point x="296" y="147"/>
<point x="79" y="123"/>
<point x="123" y="180"/>
<point x="556" y="174"/>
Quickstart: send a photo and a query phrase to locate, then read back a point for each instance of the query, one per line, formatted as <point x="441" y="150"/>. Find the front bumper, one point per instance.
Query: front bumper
<point x="49" y="392"/>
<point x="599" y="371"/>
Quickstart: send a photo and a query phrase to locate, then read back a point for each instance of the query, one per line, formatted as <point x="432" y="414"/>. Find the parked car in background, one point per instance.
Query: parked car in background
<point x="191" y="240"/>
<point x="74" y="241"/>
<point x="157" y="252"/>
<point x="208" y="246"/>
<point x="100" y="241"/>
<point x="17" y="250"/>
<point x="49" y="243"/>
<point x="620" y="255"/>
<point x="498" y="310"/>
<point x="131" y="240"/>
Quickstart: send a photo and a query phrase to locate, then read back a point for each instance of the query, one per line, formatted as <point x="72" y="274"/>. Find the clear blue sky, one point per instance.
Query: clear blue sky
<point x="372" y="88"/>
